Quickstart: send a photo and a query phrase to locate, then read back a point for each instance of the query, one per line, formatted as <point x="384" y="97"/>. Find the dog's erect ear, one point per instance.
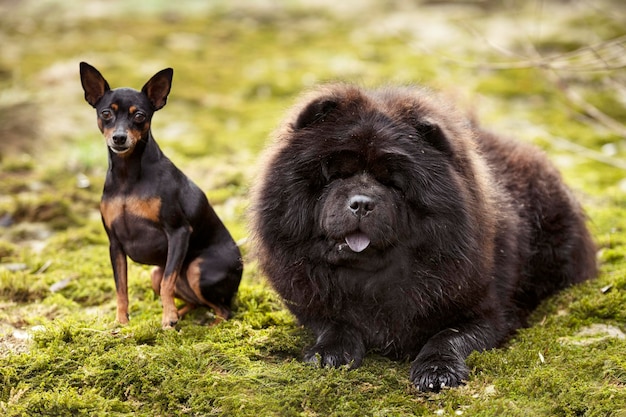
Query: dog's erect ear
<point x="315" y="112"/>
<point x="93" y="83"/>
<point x="158" y="87"/>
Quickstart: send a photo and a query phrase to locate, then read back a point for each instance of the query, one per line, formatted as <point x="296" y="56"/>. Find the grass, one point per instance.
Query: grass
<point x="238" y="67"/>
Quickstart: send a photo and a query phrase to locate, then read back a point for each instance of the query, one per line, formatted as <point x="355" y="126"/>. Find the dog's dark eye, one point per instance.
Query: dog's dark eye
<point x="342" y="165"/>
<point x="139" y="118"/>
<point x="106" y="114"/>
<point x="394" y="182"/>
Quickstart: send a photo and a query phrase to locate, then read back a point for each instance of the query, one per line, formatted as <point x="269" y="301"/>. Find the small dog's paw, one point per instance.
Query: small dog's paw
<point x="170" y="316"/>
<point x="169" y="322"/>
<point x="122" y="318"/>
<point x="434" y="375"/>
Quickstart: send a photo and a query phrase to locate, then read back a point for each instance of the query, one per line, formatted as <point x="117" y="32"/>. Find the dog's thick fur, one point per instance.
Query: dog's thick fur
<point x="391" y="222"/>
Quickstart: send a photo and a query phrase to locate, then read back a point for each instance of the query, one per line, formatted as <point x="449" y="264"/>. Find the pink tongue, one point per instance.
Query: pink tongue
<point x="358" y="241"/>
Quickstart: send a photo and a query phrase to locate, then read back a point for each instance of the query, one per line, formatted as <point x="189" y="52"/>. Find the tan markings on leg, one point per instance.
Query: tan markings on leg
<point x="170" y="312"/>
<point x="156" y="276"/>
<point x="186" y="309"/>
<point x="122" y="289"/>
<point x="148" y="208"/>
<point x="193" y="277"/>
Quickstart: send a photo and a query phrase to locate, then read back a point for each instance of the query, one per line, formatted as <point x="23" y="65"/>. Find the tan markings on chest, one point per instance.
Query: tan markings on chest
<point x="145" y="208"/>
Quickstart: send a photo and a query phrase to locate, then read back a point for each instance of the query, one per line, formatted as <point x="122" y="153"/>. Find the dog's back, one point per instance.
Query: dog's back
<point x="555" y="247"/>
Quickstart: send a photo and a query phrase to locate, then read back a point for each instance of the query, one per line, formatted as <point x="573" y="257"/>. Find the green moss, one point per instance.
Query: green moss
<point x="20" y="287"/>
<point x="7" y="250"/>
<point x="17" y="165"/>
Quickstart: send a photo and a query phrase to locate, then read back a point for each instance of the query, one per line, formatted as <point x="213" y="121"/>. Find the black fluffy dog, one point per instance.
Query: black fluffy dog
<point x="390" y="222"/>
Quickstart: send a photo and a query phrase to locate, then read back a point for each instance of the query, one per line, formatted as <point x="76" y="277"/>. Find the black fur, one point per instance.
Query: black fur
<point x="152" y="213"/>
<point x="467" y="231"/>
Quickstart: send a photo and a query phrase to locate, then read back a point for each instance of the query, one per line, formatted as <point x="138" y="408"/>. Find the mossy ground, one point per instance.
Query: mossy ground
<point x="238" y="67"/>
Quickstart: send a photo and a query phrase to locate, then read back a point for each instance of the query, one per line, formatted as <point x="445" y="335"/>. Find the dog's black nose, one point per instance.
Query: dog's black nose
<point x="361" y="205"/>
<point x="119" y="138"/>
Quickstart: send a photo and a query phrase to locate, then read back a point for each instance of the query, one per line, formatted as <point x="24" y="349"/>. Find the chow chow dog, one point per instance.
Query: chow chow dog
<point x="391" y="222"/>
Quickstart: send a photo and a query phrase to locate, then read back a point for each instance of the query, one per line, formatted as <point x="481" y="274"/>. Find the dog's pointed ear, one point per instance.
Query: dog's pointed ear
<point x="158" y="87"/>
<point x="315" y="112"/>
<point x="93" y="83"/>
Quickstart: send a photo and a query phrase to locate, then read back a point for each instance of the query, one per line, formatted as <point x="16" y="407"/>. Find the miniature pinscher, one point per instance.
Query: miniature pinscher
<point x="152" y="212"/>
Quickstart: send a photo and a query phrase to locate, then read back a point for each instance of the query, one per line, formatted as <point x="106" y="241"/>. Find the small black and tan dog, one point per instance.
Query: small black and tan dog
<point x="152" y="212"/>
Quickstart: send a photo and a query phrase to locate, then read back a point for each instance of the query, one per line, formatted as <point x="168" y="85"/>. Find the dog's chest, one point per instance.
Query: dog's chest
<point x="128" y="208"/>
<point x="135" y="222"/>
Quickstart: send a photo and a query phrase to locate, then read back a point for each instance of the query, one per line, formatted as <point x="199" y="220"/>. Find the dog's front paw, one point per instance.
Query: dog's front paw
<point x="345" y="350"/>
<point x="437" y="373"/>
<point x="168" y="324"/>
<point x="169" y="321"/>
<point x="122" y="316"/>
<point x="333" y="357"/>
